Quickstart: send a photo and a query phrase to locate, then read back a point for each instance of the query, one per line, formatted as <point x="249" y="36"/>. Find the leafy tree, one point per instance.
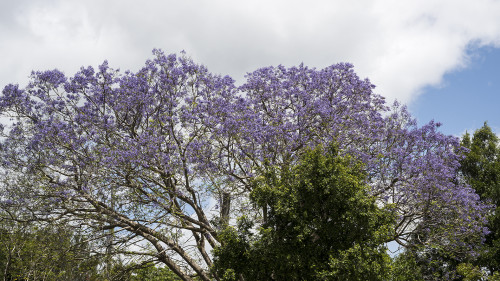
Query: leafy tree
<point x="321" y="224"/>
<point x="481" y="168"/>
<point x="471" y="272"/>
<point x="140" y="156"/>
<point x="427" y="263"/>
<point x="137" y="272"/>
<point x="32" y="251"/>
<point x="406" y="268"/>
<point x="154" y="273"/>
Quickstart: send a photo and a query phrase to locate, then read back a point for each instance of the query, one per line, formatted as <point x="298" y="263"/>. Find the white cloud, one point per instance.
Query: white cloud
<point x="401" y="46"/>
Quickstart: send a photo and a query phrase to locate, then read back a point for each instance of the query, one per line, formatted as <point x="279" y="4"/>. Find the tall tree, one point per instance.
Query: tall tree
<point x="321" y="224"/>
<point x="481" y="168"/>
<point x="34" y="251"/>
<point x="144" y="157"/>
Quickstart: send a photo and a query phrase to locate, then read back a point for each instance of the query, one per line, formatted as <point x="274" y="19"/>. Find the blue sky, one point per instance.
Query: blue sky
<point x="467" y="96"/>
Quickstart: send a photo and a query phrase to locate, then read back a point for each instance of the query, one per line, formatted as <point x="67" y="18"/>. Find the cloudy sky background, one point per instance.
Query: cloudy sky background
<point x="442" y="58"/>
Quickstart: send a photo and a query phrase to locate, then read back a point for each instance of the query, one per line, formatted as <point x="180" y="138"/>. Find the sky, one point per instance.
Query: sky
<point x="440" y="57"/>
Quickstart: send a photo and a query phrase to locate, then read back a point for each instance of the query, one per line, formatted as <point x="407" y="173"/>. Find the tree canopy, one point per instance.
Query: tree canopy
<point x="481" y="169"/>
<point x="161" y="159"/>
<point x="321" y="223"/>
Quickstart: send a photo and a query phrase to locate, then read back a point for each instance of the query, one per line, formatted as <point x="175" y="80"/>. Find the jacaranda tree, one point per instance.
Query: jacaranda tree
<point x="160" y="160"/>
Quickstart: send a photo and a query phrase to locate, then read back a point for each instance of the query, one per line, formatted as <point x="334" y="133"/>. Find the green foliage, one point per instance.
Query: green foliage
<point x="470" y="272"/>
<point x="481" y="166"/>
<point x="318" y="223"/>
<point x="360" y="262"/>
<point x="426" y="263"/>
<point x="481" y="169"/>
<point x="31" y="251"/>
<point x="405" y="268"/>
<point x="153" y="273"/>
<point x="47" y="252"/>
<point x="494" y="277"/>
